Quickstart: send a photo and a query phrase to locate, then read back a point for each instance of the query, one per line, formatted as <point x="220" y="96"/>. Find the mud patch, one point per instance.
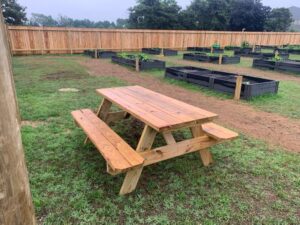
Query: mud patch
<point x="33" y="124"/>
<point x="68" y="90"/>
<point x="66" y="75"/>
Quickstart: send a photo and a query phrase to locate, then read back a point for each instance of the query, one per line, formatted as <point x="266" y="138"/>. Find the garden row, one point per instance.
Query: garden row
<point x="287" y="65"/>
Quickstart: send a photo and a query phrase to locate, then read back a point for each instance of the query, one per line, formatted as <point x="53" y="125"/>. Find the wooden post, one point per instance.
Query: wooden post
<point x="161" y="52"/>
<point x="220" y="59"/>
<point x="211" y="49"/>
<point x="15" y="198"/>
<point x="96" y="53"/>
<point x="238" y="87"/>
<point x="137" y="64"/>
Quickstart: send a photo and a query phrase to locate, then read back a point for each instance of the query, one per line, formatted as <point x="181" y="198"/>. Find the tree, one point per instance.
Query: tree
<point x="155" y="14"/>
<point x="42" y="20"/>
<point x="14" y="14"/>
<point x="279" y="19"/>
<point x="207" y="15"/>
<point x="122" y="23"/>
<point x="15" y="198"/>
<point x="248" y="14"/>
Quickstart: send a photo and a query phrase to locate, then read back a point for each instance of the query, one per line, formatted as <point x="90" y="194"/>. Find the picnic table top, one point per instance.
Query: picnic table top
<point x="160" y="112"/>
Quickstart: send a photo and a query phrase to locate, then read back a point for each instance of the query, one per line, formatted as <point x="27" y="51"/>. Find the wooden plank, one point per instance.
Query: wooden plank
<point x="137" y="109"/>
<point x="103" y="109"/>
<point x="115" y="116"/>
<point x="238" y="87"/>
<point x="118" y="154"/>
<point x="205" y="155"/>
<point x="158" y="111"/>
<point x="174" y="150"/>
<point x="169" y="137"/>
<point x="146" y="139"/>
<point x="218" y="132"/>
<point x="132" y="177"/>
<point x="125" y="150"/>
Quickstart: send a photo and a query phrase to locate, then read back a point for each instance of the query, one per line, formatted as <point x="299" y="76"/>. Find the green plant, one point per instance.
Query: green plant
<point x="245" y="44"/>
<point x="277" y="57"/>
<point x="143" y="57"/>
<point x="216" y="45"/>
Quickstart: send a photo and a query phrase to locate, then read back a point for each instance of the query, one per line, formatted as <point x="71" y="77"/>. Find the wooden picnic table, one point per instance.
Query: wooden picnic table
<point x="160" y="114"/>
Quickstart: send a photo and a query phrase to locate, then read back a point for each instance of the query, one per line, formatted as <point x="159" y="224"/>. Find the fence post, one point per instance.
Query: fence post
<point x="137" y="64"/>
<point x="15" y="198"/>
<point x="220" y="59"/>
<point x="238" y="87"/>
<point x="211" y="50"/>
<point x="161" y="52"/>
<point x="96" y="53"/>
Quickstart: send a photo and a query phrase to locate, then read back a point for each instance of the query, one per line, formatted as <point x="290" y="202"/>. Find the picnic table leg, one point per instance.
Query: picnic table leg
<point x="102" y="113"/>
<point x="205" y="154"/>
<point x="132" y="176"/>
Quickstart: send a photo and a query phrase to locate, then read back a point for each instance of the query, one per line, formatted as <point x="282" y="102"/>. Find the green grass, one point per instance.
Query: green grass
<point x="249" y="183"/>
<point x="286" y="102"/>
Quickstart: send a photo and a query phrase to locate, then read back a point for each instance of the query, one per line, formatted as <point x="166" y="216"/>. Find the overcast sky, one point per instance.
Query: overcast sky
<point x="106" y="9"/>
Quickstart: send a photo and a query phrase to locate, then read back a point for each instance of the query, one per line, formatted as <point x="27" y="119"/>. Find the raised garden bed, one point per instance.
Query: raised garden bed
<point x="202" y="57"/>
<point x="201" y="49"/>
<point x="129" y="60"/>
<point x="285" y="65"/>
<point x="152" y="51"/>
<point x="106" y="54"/>
<point x="170" y="52"/>
<point x="100" y="54"/>
<point x="157" y="51"/>
<point x="224" y="82"/>
<point x="260" y="55"/>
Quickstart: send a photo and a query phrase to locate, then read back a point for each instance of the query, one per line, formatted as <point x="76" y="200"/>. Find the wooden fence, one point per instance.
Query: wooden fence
<point x="45" y="40"/>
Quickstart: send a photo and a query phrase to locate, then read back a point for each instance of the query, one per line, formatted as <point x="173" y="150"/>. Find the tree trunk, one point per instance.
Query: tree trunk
<point x="15" y="198"/>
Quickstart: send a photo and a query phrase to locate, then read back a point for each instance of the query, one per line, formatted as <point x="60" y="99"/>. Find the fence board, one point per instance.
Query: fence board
<point x="49" y="40"/>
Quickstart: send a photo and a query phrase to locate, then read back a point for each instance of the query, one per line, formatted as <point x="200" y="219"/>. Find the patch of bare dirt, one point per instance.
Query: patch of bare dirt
<point x="63" y="75"/>
<point x="270" y="127"/>
<point x="33" y="124"/>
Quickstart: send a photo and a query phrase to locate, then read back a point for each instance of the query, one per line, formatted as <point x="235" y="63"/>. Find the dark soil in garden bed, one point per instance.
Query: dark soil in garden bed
<point x="203" y="57"/>
<point x="273" y="128"/>
<point x="224" y="82"/>
<point x="292" y="66"/>
<point x="143" y="64"/>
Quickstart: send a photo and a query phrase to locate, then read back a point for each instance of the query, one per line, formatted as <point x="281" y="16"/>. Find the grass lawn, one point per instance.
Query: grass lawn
<point x="249" y="183"/>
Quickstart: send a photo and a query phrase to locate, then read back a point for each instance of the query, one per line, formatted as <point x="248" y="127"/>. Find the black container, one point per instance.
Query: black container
<point x="106" y="54"/>
<point x="264" y="63"/>
<point x="170" y="52"/>
<point x="222" y="81"/>
<point x="205" y="49"/>
<point x="144" y="65"/>
<point x="287" y="65"/>
<point x="152" y="51"/>
<point x="202" y="57"/>
<point x="294" y="51"/>
<point x="232" y="48"/>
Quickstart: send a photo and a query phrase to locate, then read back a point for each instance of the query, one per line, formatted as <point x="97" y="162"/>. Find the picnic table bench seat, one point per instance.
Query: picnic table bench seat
<point x="118" y="154"/>
<point x="218" y="132"/>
